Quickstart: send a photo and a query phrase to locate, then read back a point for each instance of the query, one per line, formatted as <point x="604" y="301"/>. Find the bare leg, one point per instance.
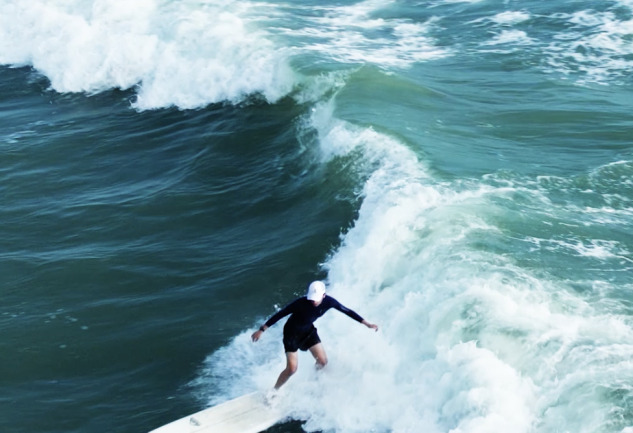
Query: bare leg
<point x="292" y="363"/>
<point x="319" y="354"/>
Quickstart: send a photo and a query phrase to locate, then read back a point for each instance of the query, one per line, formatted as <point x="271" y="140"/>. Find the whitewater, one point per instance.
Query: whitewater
<point x="485" y="149"/>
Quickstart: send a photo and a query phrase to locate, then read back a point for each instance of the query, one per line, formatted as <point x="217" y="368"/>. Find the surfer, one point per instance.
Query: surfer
<point x="299" y="331"/>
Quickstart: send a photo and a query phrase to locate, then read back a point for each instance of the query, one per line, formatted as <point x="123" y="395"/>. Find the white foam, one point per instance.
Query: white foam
<point x="469" y="341"/>
<point x="459" y="1"/>
<point x="598" y="47"/>
<point x="187" y="53"/>
<point x="516" y="37"/>
<point x="510" y="39"/>
<point x="587" y="18"/>
<point x="587" y="45"/>
<point x="511" y="17"/>
<point x="193" y="53"/>
<point x="350" y="34"/>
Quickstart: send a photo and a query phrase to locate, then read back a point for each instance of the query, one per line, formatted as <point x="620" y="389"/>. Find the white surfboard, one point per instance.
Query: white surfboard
<point x="246" y="414"/>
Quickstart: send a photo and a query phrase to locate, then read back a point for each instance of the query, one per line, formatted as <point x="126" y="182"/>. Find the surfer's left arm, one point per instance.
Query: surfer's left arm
<point x="351" y="313"/>
<point x="370" y="325"/>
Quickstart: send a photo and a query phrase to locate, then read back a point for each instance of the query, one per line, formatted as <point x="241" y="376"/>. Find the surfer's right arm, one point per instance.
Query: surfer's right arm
<point x="257" y="334"/>
<point x="288" y="309"/>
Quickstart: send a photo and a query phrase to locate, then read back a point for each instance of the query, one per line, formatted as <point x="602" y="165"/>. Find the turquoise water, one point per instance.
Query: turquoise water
<point x="461" y="173"/>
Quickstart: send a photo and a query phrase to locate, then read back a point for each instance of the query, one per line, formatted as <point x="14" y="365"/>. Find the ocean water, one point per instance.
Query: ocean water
<point x="459" y="172"/>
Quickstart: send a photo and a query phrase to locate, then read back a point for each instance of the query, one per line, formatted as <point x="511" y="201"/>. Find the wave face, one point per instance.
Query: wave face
<point x="493" y="316"/>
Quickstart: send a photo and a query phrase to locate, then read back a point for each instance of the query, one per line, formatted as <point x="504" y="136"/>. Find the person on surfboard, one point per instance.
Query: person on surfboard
<point x="299" y="331"/>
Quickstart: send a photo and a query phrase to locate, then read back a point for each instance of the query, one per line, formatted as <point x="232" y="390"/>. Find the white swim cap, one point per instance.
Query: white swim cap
<point x="316" y="290"/>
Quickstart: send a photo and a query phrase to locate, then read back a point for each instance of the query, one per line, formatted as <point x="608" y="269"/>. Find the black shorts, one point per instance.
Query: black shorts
<point x="294" y="341"/>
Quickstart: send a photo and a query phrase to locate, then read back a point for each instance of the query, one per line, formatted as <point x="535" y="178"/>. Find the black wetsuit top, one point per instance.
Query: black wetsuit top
<point x="303" y="314"/>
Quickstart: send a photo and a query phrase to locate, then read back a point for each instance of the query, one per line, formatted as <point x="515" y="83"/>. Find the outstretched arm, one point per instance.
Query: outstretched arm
<point x="353" y="314"/>
<point x="370" y="325"/>
<point x="274" y="319"/>
<point x="258" y="334"/>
